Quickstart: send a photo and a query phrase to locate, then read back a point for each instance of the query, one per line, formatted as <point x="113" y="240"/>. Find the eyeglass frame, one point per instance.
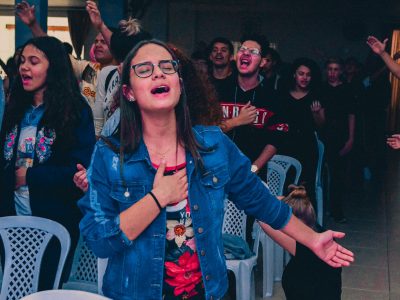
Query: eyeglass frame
<point x="175" y="64"/>
<point x="252" y="51"/>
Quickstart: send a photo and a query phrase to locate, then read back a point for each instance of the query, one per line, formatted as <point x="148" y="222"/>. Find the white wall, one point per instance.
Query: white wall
<point x="7" y="36"/>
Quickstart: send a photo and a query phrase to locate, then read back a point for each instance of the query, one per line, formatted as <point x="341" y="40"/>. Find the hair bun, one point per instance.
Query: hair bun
<point x="293" y="187"/>
<point x="130" y="26"/>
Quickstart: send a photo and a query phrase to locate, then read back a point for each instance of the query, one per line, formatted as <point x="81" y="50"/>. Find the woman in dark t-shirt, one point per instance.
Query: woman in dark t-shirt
<point x="304" y="113"/>
<point x="305" y="277"/>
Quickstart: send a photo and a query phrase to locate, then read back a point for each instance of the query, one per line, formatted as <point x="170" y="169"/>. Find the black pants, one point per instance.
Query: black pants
<point x="338" y="166"/>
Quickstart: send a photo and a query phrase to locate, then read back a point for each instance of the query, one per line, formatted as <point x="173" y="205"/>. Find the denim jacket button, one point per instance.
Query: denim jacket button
<point x="207" y="277"/>
<point x="202" y="252"/>
<point x="200" y="230"/>
<point x="195" y="207"/>
<point x="215" y="179"/>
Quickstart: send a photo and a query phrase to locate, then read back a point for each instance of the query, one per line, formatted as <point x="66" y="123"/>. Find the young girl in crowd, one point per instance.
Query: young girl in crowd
<point x="155" y="202"/>
<point x="304" y="115"/>
<point x="47" y="129"/>
<point x="305" y="277"/>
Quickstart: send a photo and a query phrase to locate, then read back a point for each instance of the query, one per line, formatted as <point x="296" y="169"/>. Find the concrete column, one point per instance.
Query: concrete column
<point x="22" y="32"/>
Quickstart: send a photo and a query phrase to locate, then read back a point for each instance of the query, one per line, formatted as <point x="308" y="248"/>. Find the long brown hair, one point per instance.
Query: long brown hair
<point x="131" y="120"/>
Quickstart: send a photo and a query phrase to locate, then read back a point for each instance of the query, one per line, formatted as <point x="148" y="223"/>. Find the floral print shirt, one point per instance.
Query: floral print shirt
<point x="26" y="154"/>
<point x="182" y="274"/>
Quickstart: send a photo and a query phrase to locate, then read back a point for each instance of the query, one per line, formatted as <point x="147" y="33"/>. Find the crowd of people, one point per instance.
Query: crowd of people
<point x="175" y="136"/>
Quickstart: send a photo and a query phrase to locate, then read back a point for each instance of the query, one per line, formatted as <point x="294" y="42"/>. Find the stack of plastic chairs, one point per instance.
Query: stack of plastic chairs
<point x="235" y="224"/>
<point x="319" y="191"/>
<point x="83" y="274"/>
<point x="25" y="239"/>
<point x="272" y="255"/>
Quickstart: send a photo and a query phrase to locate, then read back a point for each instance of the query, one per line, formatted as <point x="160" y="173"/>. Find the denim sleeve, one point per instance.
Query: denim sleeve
<point x="248" y="193"/>
<point x="100" y="223"/>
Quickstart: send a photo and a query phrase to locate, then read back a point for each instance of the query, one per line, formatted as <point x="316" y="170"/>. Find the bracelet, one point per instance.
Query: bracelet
<point x="155" y="200"/>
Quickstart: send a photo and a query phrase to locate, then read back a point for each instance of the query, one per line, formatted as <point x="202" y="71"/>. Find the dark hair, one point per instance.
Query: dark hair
<point x="201" y="97"/>
<point x="274" y="55"/>
<point x="68" y="48"/>
<point x="259" y="38"/>
<point x="334" y="60"/>
<point x="315" y="72"/>
<point x="301" y="205"/>
<point x="221" y="40"/>
<point x="127" y="36"/>
<point x="61" y="98"/>
<point x="131" y="121"/>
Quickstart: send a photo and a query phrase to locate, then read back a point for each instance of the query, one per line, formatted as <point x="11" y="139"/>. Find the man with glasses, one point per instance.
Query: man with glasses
<point x="250" y="108"/>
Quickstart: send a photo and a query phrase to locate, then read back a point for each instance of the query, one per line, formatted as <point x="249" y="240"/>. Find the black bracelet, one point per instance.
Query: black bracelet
<point x="155" y="200"/>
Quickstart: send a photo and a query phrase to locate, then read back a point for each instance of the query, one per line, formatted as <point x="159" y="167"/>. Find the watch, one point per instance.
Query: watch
<point x="254" y="168"/>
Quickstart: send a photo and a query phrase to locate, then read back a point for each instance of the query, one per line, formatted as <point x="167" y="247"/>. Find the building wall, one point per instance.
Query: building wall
<point x="317" y="29"/>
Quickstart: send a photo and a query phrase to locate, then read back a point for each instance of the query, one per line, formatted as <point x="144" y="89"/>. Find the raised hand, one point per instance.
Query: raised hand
<point x="377" y="46"/>
<point x="315" y="107"/>
<point x="170" y="189"/>
<point x="94" y="14"/>
<point x="394" y="141"/>
<point x="80" y="178"/>
<point x="247" y="114"/>
<point x="26" y="13"/>
<point x="327" y="249"/>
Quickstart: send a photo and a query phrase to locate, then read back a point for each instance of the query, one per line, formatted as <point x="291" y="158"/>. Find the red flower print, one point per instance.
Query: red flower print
<point x="185" y="275"/>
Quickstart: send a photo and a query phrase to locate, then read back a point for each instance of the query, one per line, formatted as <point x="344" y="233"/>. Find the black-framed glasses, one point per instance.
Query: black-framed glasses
<point x="146" y="69"/>
<point x="252" y="51"/>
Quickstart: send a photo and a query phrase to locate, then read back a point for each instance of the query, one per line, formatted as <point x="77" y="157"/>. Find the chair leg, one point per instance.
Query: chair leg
<point x="268" y="266"/>
<point x="244" y="291"/>
<point x="278" y="270"/>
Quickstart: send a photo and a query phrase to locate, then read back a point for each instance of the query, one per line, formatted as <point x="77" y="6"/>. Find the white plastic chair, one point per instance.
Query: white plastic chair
<point x="83" y="274"/>
<point x="272" y="252"/>
<point x="286" y="162"/>
<point x="235" y="223"/>
<point x="101" y="269"/>
<point x="25" y="239"/>
<point x="319" y="192"/>
<point x="64" y="295"/>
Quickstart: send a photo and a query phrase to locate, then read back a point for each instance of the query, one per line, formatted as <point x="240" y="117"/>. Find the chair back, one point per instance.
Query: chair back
<point x="286" y="162"/>
<point x="234" y="221"/>
<point x="83" y="274"/>
<point x="319" y="188"/>
<point x="25" y="239"/>
<point x="64" y="295"/>
<point x="276" y="176"/>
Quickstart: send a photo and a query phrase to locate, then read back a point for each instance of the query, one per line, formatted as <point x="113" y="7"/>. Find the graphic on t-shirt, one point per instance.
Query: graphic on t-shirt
<point x="232" y="110"/>
<point x="183" y="278"/>
<point x="26" y="147"/>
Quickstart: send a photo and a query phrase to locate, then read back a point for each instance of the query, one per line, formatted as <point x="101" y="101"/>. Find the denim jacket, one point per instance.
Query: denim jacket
<point x="135" y="268"/>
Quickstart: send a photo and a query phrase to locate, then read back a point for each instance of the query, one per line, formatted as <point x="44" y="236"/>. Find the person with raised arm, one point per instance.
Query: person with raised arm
<point x="378" y="47"/>
<point x="157" y="188"/>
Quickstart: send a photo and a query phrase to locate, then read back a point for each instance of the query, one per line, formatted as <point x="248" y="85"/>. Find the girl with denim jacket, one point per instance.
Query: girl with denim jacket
<point x="156" y="194"/>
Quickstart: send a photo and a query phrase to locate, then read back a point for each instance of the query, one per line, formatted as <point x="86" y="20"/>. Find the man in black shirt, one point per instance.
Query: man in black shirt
<point x="250" y="108"/>
<point x="222" y="74"/>
<point x="338" y="133"/>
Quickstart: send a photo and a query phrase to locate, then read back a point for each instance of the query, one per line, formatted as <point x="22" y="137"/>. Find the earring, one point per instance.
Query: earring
<point x="131" y="99"/>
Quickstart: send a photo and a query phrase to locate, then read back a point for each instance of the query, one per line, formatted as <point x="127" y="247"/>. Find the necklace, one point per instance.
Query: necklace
<point x="163" y="154"/>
